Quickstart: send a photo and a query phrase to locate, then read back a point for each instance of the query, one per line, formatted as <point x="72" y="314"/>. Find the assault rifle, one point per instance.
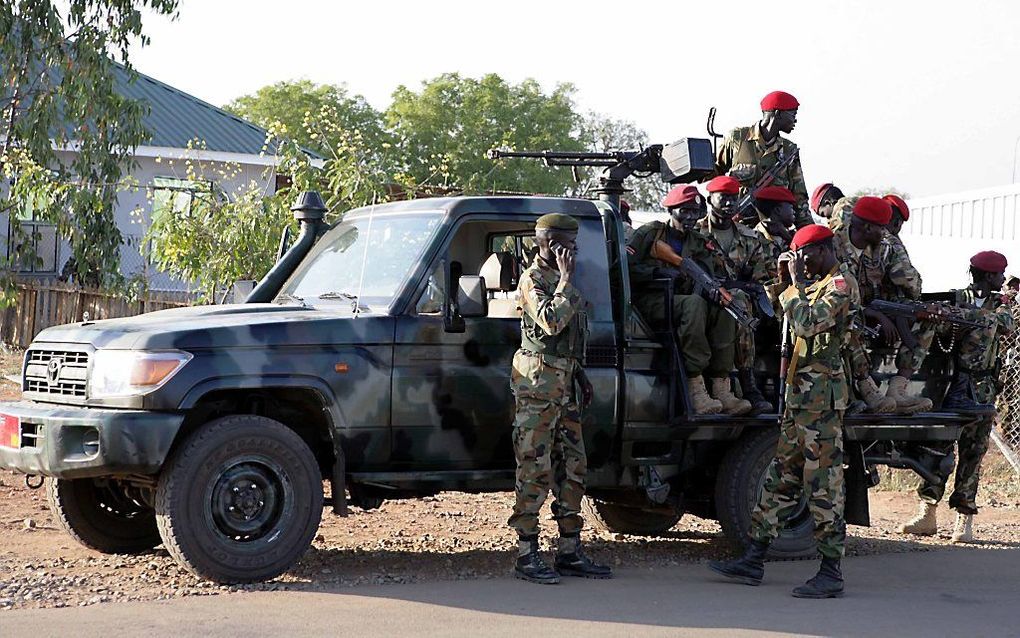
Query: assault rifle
<point x="904" y="313"/>
<point x="704" y="283"/>
<point x="745" y="203"/>
<point x="756" y="292"/>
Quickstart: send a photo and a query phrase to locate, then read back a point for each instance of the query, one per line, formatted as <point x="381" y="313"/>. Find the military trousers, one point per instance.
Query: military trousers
<point x="706" y="333"/>
<point x="548" y="444"/>
<point x="808" y="462"/>
<point x="971" y="449"/>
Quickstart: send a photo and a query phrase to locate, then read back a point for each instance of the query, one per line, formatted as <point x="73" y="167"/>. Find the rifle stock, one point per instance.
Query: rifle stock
<point x="744" y="203"/>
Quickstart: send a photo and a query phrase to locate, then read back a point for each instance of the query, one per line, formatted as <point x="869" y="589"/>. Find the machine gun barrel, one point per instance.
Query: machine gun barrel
<point x="922" y="311"/>
<point x="567" y="158"/>
<point x="704" y="282"/>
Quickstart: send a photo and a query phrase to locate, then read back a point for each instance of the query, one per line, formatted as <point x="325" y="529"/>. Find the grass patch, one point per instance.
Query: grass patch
<point x="999" y="481"/>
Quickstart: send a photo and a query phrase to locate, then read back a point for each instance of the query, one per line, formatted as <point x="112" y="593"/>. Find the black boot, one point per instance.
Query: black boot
<point x="827" y="583"/>
<point x="749" y="390"/>
<point x="748" y="569"/>
<point x="960" y="395"/>
<point x="530" y="566"/>
<point x="571" y="561"/>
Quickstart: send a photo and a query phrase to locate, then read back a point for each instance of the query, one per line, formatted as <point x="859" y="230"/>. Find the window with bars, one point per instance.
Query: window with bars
<point x="36" y="247"/>
<point x="175" y="195"/>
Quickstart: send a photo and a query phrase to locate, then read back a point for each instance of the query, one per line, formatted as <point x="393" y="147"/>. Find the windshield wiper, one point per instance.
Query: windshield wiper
<point x="287" y="297"/>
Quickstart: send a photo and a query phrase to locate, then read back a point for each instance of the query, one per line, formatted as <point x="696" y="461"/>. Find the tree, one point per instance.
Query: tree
<point x="58" y="93"/>
<point x="443" y="131"/>
<point x="601" y="133"/>
<point x="880" y="192"/>
<point x="288" y="108"/>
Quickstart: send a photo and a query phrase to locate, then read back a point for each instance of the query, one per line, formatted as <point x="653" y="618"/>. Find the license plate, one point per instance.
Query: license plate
<point x="10" y="431"/>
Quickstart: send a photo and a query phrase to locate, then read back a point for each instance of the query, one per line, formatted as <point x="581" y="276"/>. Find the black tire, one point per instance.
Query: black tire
<point x="627" y="519"/>
<point x="240" y="500"/>
<point x="737" y="488"/>
<point x="99" y="515"/>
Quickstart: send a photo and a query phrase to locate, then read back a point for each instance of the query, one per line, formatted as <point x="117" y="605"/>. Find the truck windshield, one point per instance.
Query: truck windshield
<point x="363" y="261"/>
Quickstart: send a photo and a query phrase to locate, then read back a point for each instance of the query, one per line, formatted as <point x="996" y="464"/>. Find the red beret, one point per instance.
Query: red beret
<point x="818" y="194"/>
<point x="810" y="234"/>
<point x="776" y="194"/>
<point x="779" y="101"/>
<point x="874" y="210"/>
<point x="681" y="195"/>
<point x="897" y="201"/>
<point x="989" y="261"/>
<point x="723" y="184"/>
<point x="624" y="206"/>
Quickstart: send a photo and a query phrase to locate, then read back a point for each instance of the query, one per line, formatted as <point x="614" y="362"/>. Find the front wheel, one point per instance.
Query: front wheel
<point x="738" y="486"/>
<point x="101" y="515"/>
<point x="240" y="500"/>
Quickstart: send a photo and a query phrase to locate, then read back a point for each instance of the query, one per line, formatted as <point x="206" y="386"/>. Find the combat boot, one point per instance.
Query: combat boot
<point x="701" y="403"/>
<point x="730" y="403"/>
<point x="572" y="561"/>
<point x="749" y="390"/>
<point x="905" y="403"/>
<point x="924" y="524"/>
<point x="749" y="569"/>
<point x="827" y="583"/>
<point x="530" y="566"/>
<point x="963" y="532"/>
<point x="959" y="396"/>
<point x="876" y="402"/>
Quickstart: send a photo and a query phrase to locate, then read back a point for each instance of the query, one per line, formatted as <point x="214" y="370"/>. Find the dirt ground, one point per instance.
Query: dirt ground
<point x="454" y="536"/>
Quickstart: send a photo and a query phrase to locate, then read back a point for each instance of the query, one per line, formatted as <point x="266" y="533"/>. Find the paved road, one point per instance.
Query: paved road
<point x="956" y="592"/>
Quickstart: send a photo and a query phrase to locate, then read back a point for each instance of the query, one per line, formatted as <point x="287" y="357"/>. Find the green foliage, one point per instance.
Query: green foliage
<point x="601" y="133"/>
<point x="443" y="131"/>
<point x="871" y="191"/>
<point x="58" y="74"/>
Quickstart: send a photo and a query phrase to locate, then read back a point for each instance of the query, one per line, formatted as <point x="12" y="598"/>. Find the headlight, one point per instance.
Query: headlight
<point x="121" y="373"/>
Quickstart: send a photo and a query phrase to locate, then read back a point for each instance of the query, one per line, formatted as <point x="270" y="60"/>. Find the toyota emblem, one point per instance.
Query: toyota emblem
<point x="53" y="370"/>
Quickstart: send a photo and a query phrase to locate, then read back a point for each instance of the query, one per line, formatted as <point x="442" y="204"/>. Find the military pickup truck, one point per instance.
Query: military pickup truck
<point x="375" y="356"/>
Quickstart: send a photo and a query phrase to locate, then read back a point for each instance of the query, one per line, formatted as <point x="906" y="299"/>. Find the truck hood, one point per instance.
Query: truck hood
<point x="226" y="326"/>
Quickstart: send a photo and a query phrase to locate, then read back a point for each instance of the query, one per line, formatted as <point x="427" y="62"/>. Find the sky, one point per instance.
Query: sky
<point x="921" y="96"/>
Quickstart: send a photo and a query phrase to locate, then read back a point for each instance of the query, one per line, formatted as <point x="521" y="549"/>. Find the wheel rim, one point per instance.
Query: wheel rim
<point x="112" y="500"/>
<point x="248" y="499"/>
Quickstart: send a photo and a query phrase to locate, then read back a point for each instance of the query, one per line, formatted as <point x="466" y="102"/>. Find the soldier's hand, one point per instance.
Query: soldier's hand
<point x="587" y="391"/>
<point x="564" y="261"/>
<point x="796" y="268"/>
<point x="885" y="325"/>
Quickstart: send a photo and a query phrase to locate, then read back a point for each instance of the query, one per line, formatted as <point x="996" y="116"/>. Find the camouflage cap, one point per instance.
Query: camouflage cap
<point x="556" y="221"/>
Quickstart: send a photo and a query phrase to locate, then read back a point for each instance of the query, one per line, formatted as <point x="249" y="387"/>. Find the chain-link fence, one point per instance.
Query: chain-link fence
<point x="1007" y="435"/>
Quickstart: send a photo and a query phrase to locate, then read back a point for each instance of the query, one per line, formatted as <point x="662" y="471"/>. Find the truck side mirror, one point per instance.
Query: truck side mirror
<point x="471" y="298"/>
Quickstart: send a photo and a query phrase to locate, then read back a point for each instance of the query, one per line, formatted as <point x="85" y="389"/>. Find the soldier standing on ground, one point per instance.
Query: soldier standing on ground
<point x="705" y="332"/>
<point x="548" y="441"/>
<point x="975" y="374"/>
<point x="749" y="152"/>
<point x="809" y="457"/>
<point x="746" y="260"/>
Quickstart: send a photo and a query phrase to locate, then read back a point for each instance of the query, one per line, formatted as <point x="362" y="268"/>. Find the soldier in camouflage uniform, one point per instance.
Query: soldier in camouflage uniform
<point x="824" y="198"/>
<point x="548" y="441"/>
<point x="706" y="333"/>
<point x="775" y="214"/>
<point x="864" y="246"/>
<point x="976" y="373"/>
<point x="809" y="456"/>
<point x="746" y="260"/>
<point x="749" y="152"/>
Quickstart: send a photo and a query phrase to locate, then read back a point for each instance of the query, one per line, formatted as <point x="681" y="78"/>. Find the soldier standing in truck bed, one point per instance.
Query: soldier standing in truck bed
<point x="548" y="441"/>
<point x="749" y="152"/>
<point x="809" y="457"/>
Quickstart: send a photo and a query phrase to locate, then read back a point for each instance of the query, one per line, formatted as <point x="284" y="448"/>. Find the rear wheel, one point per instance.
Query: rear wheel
<point x="240" y="500"/>
<point x="738" y="486"/>
<point x="101" y="515"/>
<point x="628" y="519"/>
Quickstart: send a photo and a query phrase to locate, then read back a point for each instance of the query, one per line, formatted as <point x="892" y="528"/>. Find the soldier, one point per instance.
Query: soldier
<point x="628" y="225"/>
<point x="547" y="436"/>
<point x="705" y="331"/>
<point x="864" y="246"/>
<point x="976" y="368"/>
<point x="774" y="205"/>
<point x="824" y="199"/>
<point x="746" y="260"/>
<point x="749" y="152"/>
<point x="809" y="456"/>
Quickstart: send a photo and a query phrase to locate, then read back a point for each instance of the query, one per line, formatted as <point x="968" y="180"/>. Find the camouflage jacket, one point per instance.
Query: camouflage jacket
<point x="747" y="258"/>
<point x="554" y="321"/>
<point x="819" y="316"/>
<point x="642" y="266"/>
<point x="773" y="247"/>
<point x="744" y="156"/>
<point x="841" y="212"/>
<point x="900" y="260"/>
<point x="877" y="272"/>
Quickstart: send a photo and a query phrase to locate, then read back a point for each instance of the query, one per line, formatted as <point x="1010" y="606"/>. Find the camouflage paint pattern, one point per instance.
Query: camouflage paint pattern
<point x="744" y="156"/>
<point x="547" y="438"/>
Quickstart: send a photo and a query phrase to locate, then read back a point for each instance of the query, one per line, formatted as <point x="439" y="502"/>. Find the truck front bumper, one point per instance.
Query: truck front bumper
<point x="74" y="442"/>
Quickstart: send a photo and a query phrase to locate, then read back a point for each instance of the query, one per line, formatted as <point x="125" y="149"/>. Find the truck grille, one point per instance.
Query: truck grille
<point x="56" y="372"/>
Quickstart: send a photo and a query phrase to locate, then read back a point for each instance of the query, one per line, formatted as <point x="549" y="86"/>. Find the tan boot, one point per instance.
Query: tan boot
<point x="730" y="403"/>
<point x="906" y="403"/>
<point x="963" y="532"/>
<point x="877" y="404"/>
<point x="700" y="401"/>
<point x="924" y="524"/>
